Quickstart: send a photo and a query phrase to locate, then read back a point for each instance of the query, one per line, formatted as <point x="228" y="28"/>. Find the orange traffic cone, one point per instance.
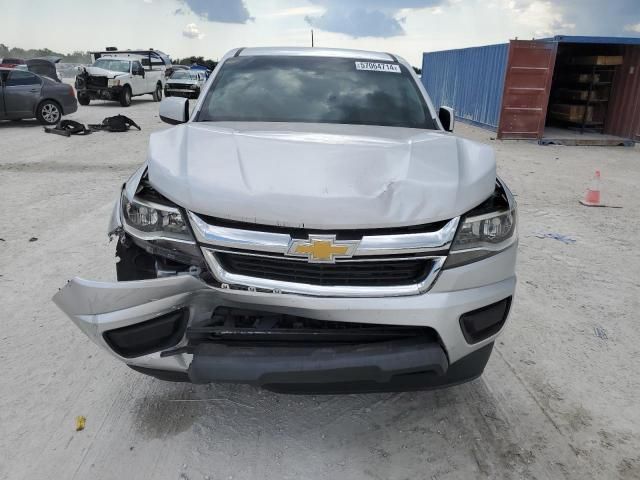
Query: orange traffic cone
<point x="592" y="197"/>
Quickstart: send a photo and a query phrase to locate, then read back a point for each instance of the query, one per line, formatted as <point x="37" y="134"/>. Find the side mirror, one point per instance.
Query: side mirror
<point x="174" y="110"/>
<point x="447" y="118"/>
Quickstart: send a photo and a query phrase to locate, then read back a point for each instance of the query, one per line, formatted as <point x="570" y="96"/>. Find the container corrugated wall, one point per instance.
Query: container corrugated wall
<point x="471" y="80"/>
<point x="623" y="118"/>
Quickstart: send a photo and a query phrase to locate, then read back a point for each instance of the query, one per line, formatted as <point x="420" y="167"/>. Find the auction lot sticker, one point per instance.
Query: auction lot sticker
<point x="378" y="67"/>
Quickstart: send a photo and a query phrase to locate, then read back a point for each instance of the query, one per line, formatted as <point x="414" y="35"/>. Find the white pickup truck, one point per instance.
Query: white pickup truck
<point x="121" y="75"/>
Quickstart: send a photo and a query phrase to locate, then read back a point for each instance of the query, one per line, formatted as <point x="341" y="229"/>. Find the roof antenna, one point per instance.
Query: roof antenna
<point x="312" y="38"/>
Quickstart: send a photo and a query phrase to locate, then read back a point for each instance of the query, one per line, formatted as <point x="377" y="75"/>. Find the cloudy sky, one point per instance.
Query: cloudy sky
<point x="211" y="27"/>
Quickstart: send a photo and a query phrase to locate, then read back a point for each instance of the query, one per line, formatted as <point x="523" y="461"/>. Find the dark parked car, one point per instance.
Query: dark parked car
<point x="174" y="68"/>
<point x="27" y="95"/>
<point x="45" y="67"/>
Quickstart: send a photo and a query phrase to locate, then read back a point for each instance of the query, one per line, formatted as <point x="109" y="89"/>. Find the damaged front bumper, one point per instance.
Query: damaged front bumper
<point x="170" y="312"/>
<point x="182" y="92"/>
<point x="100" y="93"/>
<point x="189" y="325"/>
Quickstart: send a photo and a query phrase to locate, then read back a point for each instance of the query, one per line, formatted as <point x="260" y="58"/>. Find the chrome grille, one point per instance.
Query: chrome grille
<point x="342" y="273"/>
<point x="390" y="264"/>
<point x="180" y="86"/>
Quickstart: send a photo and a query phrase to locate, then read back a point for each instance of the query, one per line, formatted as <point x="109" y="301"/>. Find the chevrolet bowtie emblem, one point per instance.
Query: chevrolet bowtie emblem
<point x="322" y="248"/>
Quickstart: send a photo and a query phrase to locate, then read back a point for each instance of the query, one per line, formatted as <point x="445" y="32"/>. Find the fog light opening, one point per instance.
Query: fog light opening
<point x="484" y="322"/>
<point x="147" y="337"/>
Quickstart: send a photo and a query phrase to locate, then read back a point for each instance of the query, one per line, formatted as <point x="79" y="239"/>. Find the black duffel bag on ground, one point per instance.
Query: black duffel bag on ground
<point x="119" y="123"/>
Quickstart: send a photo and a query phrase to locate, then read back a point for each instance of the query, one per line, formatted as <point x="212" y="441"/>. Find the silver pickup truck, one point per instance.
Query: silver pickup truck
<point x="312" y="226"/>
<point x="185" y="83"/>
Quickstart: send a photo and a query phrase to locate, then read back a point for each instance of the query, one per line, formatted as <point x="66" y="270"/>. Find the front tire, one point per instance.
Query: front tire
<point x="49" y="112"/>
<point x="157" y="95"/>
<point x="125" y="96"/>
<point x="84" y="100"/>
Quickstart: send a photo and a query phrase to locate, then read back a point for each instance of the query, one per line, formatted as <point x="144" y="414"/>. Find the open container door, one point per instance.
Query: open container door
<point x="526" y="89"/>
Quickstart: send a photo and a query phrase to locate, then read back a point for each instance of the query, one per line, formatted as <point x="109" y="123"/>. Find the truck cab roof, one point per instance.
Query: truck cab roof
<point x="153" y="57"/>
<point x="122" y="57"/>
<point x="316" y="52"/>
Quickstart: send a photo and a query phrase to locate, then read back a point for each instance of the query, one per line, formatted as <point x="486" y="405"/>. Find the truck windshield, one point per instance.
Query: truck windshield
<point x="315" y="90"/>
<point x="113" y="65"/>
<point x="182" y="75"/>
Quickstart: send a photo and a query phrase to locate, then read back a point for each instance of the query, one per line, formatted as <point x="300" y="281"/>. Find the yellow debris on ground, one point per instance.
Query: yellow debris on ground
<point x="80" y="423"/>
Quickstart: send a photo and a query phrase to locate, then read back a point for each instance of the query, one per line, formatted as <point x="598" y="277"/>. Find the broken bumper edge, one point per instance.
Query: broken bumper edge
<point x="418" y="363"/>
<point x="101" y="93"/>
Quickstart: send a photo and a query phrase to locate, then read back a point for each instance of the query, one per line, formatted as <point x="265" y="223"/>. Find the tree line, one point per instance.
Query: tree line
<point x="210" y="64"/>
<point x="26" y="54"/>
<point x="84" y="57"/>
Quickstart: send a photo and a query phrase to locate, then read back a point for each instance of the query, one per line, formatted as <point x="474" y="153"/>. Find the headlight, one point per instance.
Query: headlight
<point x="486" y="230"/>
<point x="149" y="221"/>
<point x="193" y="87"/>
<point x="113" y="82"/>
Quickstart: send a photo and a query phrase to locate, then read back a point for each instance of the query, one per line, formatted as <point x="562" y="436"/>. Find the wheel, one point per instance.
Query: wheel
<point x="167" y="94"/>
<point x="84" y="100"/>
<point x="157" y="95"/>
<point x="48" y="112"/>
<point x="125" y="97"/>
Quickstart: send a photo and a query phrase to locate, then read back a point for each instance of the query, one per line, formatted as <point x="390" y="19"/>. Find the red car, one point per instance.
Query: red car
<point x="11" y="62"/>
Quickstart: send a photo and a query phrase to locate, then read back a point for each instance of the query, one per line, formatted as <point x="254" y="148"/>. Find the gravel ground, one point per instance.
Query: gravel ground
<point x="559" y="398"/>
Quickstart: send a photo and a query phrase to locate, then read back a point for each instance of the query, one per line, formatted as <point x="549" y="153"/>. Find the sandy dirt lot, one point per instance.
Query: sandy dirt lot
<point x="559" y="399"/>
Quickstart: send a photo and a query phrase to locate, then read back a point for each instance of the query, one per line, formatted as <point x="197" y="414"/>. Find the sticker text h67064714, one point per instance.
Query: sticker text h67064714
<point x="378" y="67"/>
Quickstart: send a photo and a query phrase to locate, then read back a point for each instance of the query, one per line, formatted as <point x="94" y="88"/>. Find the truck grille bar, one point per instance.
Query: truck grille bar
<point x="343" y="273"/>
<point x="96" y="82"/>
<point x="391" y="264"/>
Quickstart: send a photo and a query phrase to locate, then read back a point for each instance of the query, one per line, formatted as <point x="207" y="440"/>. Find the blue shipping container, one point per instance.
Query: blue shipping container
<point x="470" y="80"/>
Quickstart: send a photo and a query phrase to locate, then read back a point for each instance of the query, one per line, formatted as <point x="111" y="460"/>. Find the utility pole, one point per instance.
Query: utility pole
<point x="312" y="38"/>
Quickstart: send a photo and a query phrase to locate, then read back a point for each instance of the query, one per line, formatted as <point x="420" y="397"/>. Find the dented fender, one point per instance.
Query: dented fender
<point x="115" y="221"/>
<point x="130" y="187"/>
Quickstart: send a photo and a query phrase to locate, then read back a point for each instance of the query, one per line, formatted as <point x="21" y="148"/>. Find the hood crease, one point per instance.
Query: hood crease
<point x="322" y="176"/>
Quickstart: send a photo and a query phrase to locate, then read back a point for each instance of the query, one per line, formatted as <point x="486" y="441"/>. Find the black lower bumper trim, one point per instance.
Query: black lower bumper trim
<point x="464" y="370"/>
<point x="375" y="362"/>
<point x="166" y="375"/>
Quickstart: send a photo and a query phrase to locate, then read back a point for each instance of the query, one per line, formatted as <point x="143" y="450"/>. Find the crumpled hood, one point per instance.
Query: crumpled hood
<point x="101" y="72"/>
<point x="320" y="176"/>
